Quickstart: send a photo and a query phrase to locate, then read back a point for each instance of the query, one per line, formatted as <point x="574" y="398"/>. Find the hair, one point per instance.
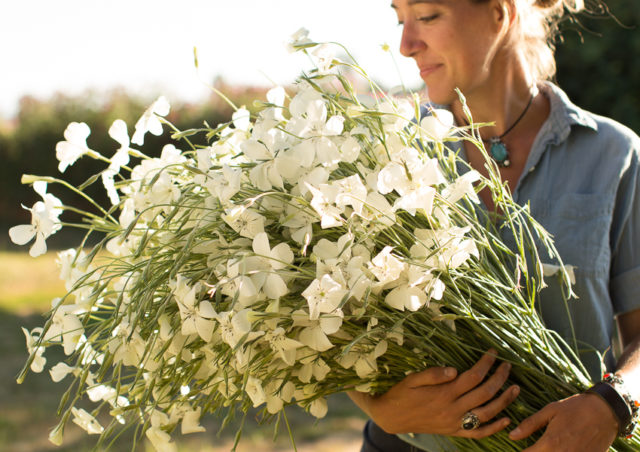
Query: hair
<point x="537" y="28"/>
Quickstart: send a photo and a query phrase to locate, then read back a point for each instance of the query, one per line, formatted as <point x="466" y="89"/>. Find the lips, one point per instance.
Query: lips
<point x="428" y="69"/>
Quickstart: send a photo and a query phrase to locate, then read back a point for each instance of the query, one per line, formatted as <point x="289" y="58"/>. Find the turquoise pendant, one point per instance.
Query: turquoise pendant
<point x="499" y="152"/>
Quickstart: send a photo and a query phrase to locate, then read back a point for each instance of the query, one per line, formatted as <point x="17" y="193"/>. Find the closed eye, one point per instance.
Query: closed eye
<point x="428" y="18"/>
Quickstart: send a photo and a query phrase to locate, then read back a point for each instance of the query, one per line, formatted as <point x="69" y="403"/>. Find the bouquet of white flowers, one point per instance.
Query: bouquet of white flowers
<point x="329" y="242"/>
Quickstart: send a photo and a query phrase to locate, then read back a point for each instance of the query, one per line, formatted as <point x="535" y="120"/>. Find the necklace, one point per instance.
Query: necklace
<point x="497" y="148"/>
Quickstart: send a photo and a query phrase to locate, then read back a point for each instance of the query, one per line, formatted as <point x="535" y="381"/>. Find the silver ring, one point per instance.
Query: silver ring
<point x="470" y="421"/>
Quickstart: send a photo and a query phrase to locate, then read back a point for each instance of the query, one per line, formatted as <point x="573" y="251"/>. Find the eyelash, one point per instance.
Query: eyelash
<point x="428" y="18"/>
<point x="425" y="19"/>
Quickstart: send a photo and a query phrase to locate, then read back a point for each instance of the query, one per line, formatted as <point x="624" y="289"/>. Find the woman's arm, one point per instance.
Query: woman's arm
<point x="585" y="421"/>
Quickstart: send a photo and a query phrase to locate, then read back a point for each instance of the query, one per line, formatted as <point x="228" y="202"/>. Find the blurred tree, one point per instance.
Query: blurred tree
<point x="598" y="64"/>
<point x="27" y="144"/>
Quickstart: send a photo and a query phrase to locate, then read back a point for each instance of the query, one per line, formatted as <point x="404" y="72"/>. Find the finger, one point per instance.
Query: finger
<point x="487" y="390"/>
<point x="486" y="430"/>
<point x="474" y="376"/>
<point x="533" y="423"/>
<point x="496" y="406"/>
<point x="431" y="376"/>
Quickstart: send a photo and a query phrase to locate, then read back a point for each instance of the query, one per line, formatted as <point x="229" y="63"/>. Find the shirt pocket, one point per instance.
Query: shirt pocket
<point x="579" y="224"/>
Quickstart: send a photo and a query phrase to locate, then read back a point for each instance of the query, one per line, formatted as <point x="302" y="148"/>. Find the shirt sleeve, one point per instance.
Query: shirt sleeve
<point x="625" y="239"/>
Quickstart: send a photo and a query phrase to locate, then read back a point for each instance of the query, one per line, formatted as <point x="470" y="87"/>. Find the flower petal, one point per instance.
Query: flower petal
<point x="22" y="234"/>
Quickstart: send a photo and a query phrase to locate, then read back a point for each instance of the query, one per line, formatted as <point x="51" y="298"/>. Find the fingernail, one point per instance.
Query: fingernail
<point x="508" y="367"/>
<point x="515" y="432"/>
<point x="516" y="390"/>
<point x="449" y="372"/>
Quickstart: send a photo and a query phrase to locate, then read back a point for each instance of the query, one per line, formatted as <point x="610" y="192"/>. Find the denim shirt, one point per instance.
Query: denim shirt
<point x="582" y="182"/>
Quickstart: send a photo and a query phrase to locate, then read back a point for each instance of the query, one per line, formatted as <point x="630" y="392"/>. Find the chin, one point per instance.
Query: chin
<point x="441" y="97"/>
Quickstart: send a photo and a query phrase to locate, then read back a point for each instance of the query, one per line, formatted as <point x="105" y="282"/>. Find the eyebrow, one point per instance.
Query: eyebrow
<point x="414" y="2"/>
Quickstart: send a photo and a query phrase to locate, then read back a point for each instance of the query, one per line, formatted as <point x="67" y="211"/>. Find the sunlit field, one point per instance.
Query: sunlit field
<point x="28" y="411"/>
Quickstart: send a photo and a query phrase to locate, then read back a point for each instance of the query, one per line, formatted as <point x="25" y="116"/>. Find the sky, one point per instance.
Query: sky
<point x="147" y="46"/>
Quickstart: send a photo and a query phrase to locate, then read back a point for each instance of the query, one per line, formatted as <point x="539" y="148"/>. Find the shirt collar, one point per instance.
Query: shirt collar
<point x="563" y="115"/>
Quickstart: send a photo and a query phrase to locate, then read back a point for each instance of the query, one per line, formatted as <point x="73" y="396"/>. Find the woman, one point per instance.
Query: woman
<point x="581" y="175"/>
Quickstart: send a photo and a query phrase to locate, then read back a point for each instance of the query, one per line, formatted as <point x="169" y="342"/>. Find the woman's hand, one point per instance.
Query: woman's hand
<point x="581" y="422"/>
<point x="435" y="401"/>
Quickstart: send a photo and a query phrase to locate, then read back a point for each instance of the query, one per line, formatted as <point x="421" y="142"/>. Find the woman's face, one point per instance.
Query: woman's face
<point x="453" y="42"/>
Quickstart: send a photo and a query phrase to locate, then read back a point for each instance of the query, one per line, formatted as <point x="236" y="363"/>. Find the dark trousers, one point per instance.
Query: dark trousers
<point x="377" y="440"/>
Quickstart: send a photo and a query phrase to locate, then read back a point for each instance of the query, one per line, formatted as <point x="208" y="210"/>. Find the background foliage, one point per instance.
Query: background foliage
<point x="598" y="64"/>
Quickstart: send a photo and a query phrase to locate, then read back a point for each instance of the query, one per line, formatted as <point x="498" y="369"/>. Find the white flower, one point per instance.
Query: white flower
<point x="67" y="328"/>
<point x="255" y="391"/>
<point x="312" y="366"/>
<point x="44" y="221"/>
<point x="191" y="422"/>
<point x="99" y="392"/>
<point x="71" y="265"/>
<point x="418" y="199"/>
<point x="412" y="179"/>
<point x="274" y="259"/>
<point x="299" y="38"/>
<point x="350" y="149"/>
<point x="236" y="326"/>
<point x="310" y="122"/>
<point x="398" y="116"/>
<point x="59" y="371"/>
<point x="323" y="202"/>
<point x="386" y="267"/>
<point x="276" y="97"/>
<point x="323" y="56"/>
<point x="108" y="181"/>
<point x="277" y="393"/>
<point x="438" y="125"/>
<point x="224" y="184"/>
<point x="378" y="211"/>
<point x="463" y="186"/>
<point x="160" y="440"/>
<point x="196" y="315"/>
<point x="75" y="146"/>
<point x="283" y="346"/>
<point x="266" y="175"/>
<point x="454" y="249"/>
<point x="315" y="338"/>
<point x="39" y="361"/>
<point x="315" y="331"/>
<point x="126" y="345"/>
<point x="392" y="177"/>
<point x="552" y="269"/>
<point x="411" y="298"/>
<point x="319" y="408"/>
<point x="149" y="122"/>
<point x="323" y="295"/>
<point x="87" y="422"/>
<point x="363" y="358"/>
<point x="238" y="284"/>
<point x="241" y="119"/>
<point x="351" y="191"/>
<point x="244" y="221"/>
<point x="118" y="131"/>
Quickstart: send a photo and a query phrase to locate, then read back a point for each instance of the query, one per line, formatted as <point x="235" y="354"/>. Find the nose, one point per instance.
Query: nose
<point x="410" y="42"/>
